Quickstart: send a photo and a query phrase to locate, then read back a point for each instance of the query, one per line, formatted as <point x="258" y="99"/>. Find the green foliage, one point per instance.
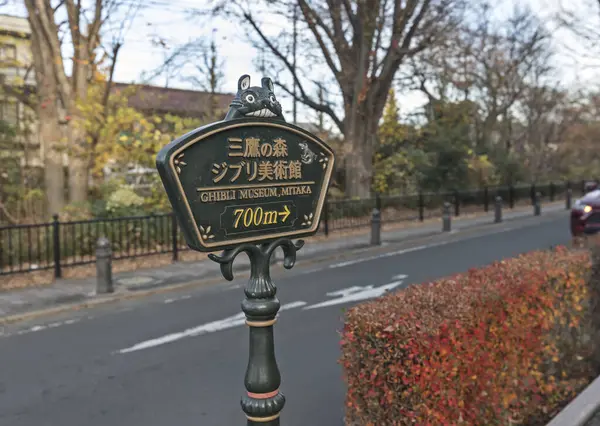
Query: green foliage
<point x="446" y="140"/>
<point x="397" y="162"/>
<point x="77" y="211"/>
<point x="124" y="202"/>
<point x="157" y="201"/>
<point x="435" y="157"/>
<point x="21" y="199"/>
<point x="121" y="138"/>
<point x="508" y="168"/>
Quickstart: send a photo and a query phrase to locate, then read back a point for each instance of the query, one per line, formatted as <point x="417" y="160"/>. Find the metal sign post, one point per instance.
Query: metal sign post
<point x="250" y="183"/>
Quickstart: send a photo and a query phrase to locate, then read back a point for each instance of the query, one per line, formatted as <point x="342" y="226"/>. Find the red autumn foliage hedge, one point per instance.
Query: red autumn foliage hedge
<point x="512" y="340"/>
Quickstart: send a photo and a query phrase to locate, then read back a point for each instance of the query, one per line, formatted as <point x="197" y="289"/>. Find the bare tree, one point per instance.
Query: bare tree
<point x="580" y="19"/>
<point x="363" y="44"/>
<point x="208" y="75"/>
<point x="488" y="61"/>
<point x="549" y="115"/>
<point x="59" y="94"/>
<point x="196" y="63"/>
<point x="578" y="154"/>
<point x="112" y="53"/>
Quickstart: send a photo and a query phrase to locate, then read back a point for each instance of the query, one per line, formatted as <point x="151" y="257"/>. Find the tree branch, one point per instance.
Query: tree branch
<point x="74" y="18"/>
<point x="351" y="16"/>
<point x="94" y="29"/>
<point x="379" y="29"/>
<point x="316" y="106"/>
<point x="74" y="26"/>
<point x="397" y="51"/>
<point x="305" y="99"/>
<point x="336" y="20"/>
<point x="42" y="18"/>
<point x="95" y="138"/>
<point x="309" y="14"/>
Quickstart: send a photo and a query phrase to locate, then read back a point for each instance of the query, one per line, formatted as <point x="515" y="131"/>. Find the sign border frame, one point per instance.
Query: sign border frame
<point x="167" y="171"/>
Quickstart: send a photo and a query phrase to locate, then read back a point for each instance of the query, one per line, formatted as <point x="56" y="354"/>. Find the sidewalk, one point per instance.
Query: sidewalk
<point x="69" y="291"/>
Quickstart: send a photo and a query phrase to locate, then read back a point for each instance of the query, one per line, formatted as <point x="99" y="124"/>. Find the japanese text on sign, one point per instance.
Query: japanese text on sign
<point x="260" y="161"/>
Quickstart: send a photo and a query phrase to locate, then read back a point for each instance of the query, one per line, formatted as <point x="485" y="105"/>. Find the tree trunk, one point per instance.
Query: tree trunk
<point x="79" y="171"/>
<point x="360" y="142"/>
<point x="54" y="178"/>
<point x="78" y="179"/>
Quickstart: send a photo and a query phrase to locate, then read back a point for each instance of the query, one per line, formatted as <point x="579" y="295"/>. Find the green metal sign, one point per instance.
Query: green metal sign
<point x="246" y="180"/>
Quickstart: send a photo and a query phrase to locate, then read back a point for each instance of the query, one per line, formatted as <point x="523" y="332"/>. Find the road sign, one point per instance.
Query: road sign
<point x="246" y="180"/>
<point x="251" y="178"/>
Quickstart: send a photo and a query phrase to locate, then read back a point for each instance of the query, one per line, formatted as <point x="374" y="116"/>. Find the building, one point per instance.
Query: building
<point x="16" y="72"/>
<point x="154" y="100"/>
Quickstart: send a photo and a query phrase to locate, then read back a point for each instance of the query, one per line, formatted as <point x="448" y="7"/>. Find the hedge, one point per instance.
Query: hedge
<point x="510" y="342"/>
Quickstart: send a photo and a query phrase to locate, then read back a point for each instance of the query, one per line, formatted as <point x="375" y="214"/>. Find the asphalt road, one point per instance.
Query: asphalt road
<point x="72" y="370"/>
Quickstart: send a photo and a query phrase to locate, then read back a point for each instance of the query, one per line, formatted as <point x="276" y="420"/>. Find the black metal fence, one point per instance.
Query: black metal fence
<point x="56" y="245"/>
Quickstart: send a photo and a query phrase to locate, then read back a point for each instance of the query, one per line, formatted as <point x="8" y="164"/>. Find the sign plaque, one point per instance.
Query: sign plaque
<point x="249" y="184"/>
<point x="250" y="178"/>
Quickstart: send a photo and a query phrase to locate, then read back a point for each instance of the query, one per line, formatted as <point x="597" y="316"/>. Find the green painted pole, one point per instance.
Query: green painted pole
<point x="263" y="401"/>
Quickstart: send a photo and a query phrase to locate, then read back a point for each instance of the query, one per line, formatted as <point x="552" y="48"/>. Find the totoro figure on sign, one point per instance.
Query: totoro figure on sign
<point x="254" y="101"/>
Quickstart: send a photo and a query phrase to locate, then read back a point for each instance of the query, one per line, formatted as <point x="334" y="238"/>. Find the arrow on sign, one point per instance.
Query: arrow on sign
<point x="357" y="293"/>
<point x="285" y="213"/>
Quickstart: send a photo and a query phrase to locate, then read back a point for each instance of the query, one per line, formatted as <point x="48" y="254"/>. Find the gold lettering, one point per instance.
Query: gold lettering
<point x="280" y="170"/>
<point x="257" y="216"/>
<point x="295" y="190"/>
<point x="265" y="170"/>
<point x="238" y="214"/>
<point x="270" y="217"/>
<point x="257" y="193"/>
<point x="280" y="148"/>
<point x="295" y="170"/>
<point x="235" y="145"/>
<point x="212" y="196"/>
<point x="266" y="149"/>
<point x="252" y="148"/>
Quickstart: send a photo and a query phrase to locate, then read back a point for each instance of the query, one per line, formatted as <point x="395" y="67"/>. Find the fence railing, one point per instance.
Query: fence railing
<point x="57" y="245"/>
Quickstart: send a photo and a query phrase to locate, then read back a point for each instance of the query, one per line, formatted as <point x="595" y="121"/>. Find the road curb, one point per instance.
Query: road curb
<point x="311" y="258"/>
<point x="103" y="300"/>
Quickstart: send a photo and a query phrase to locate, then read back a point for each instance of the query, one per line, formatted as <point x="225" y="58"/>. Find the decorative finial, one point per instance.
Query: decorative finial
<point x="255" y="101"/>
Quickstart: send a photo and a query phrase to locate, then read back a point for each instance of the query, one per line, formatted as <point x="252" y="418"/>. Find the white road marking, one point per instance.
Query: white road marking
<point x="177" y="299"/>
<point x="41" y="327"/>
<point x="416" y="248"/>
<point x="384" y="255"/>
<point x="356" y="293"/>
<point x="211" y="327"/>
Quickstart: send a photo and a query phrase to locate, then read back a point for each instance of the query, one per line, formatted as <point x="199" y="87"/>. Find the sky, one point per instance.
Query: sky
<point x="170" y="21"/>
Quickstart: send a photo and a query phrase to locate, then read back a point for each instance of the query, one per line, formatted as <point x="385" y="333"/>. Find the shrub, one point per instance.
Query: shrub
<point x="125" y="202"/>
<point x="510" y="340"/>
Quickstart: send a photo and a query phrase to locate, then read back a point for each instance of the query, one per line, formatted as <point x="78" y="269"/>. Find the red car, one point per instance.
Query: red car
<point x="585" y="214"/>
